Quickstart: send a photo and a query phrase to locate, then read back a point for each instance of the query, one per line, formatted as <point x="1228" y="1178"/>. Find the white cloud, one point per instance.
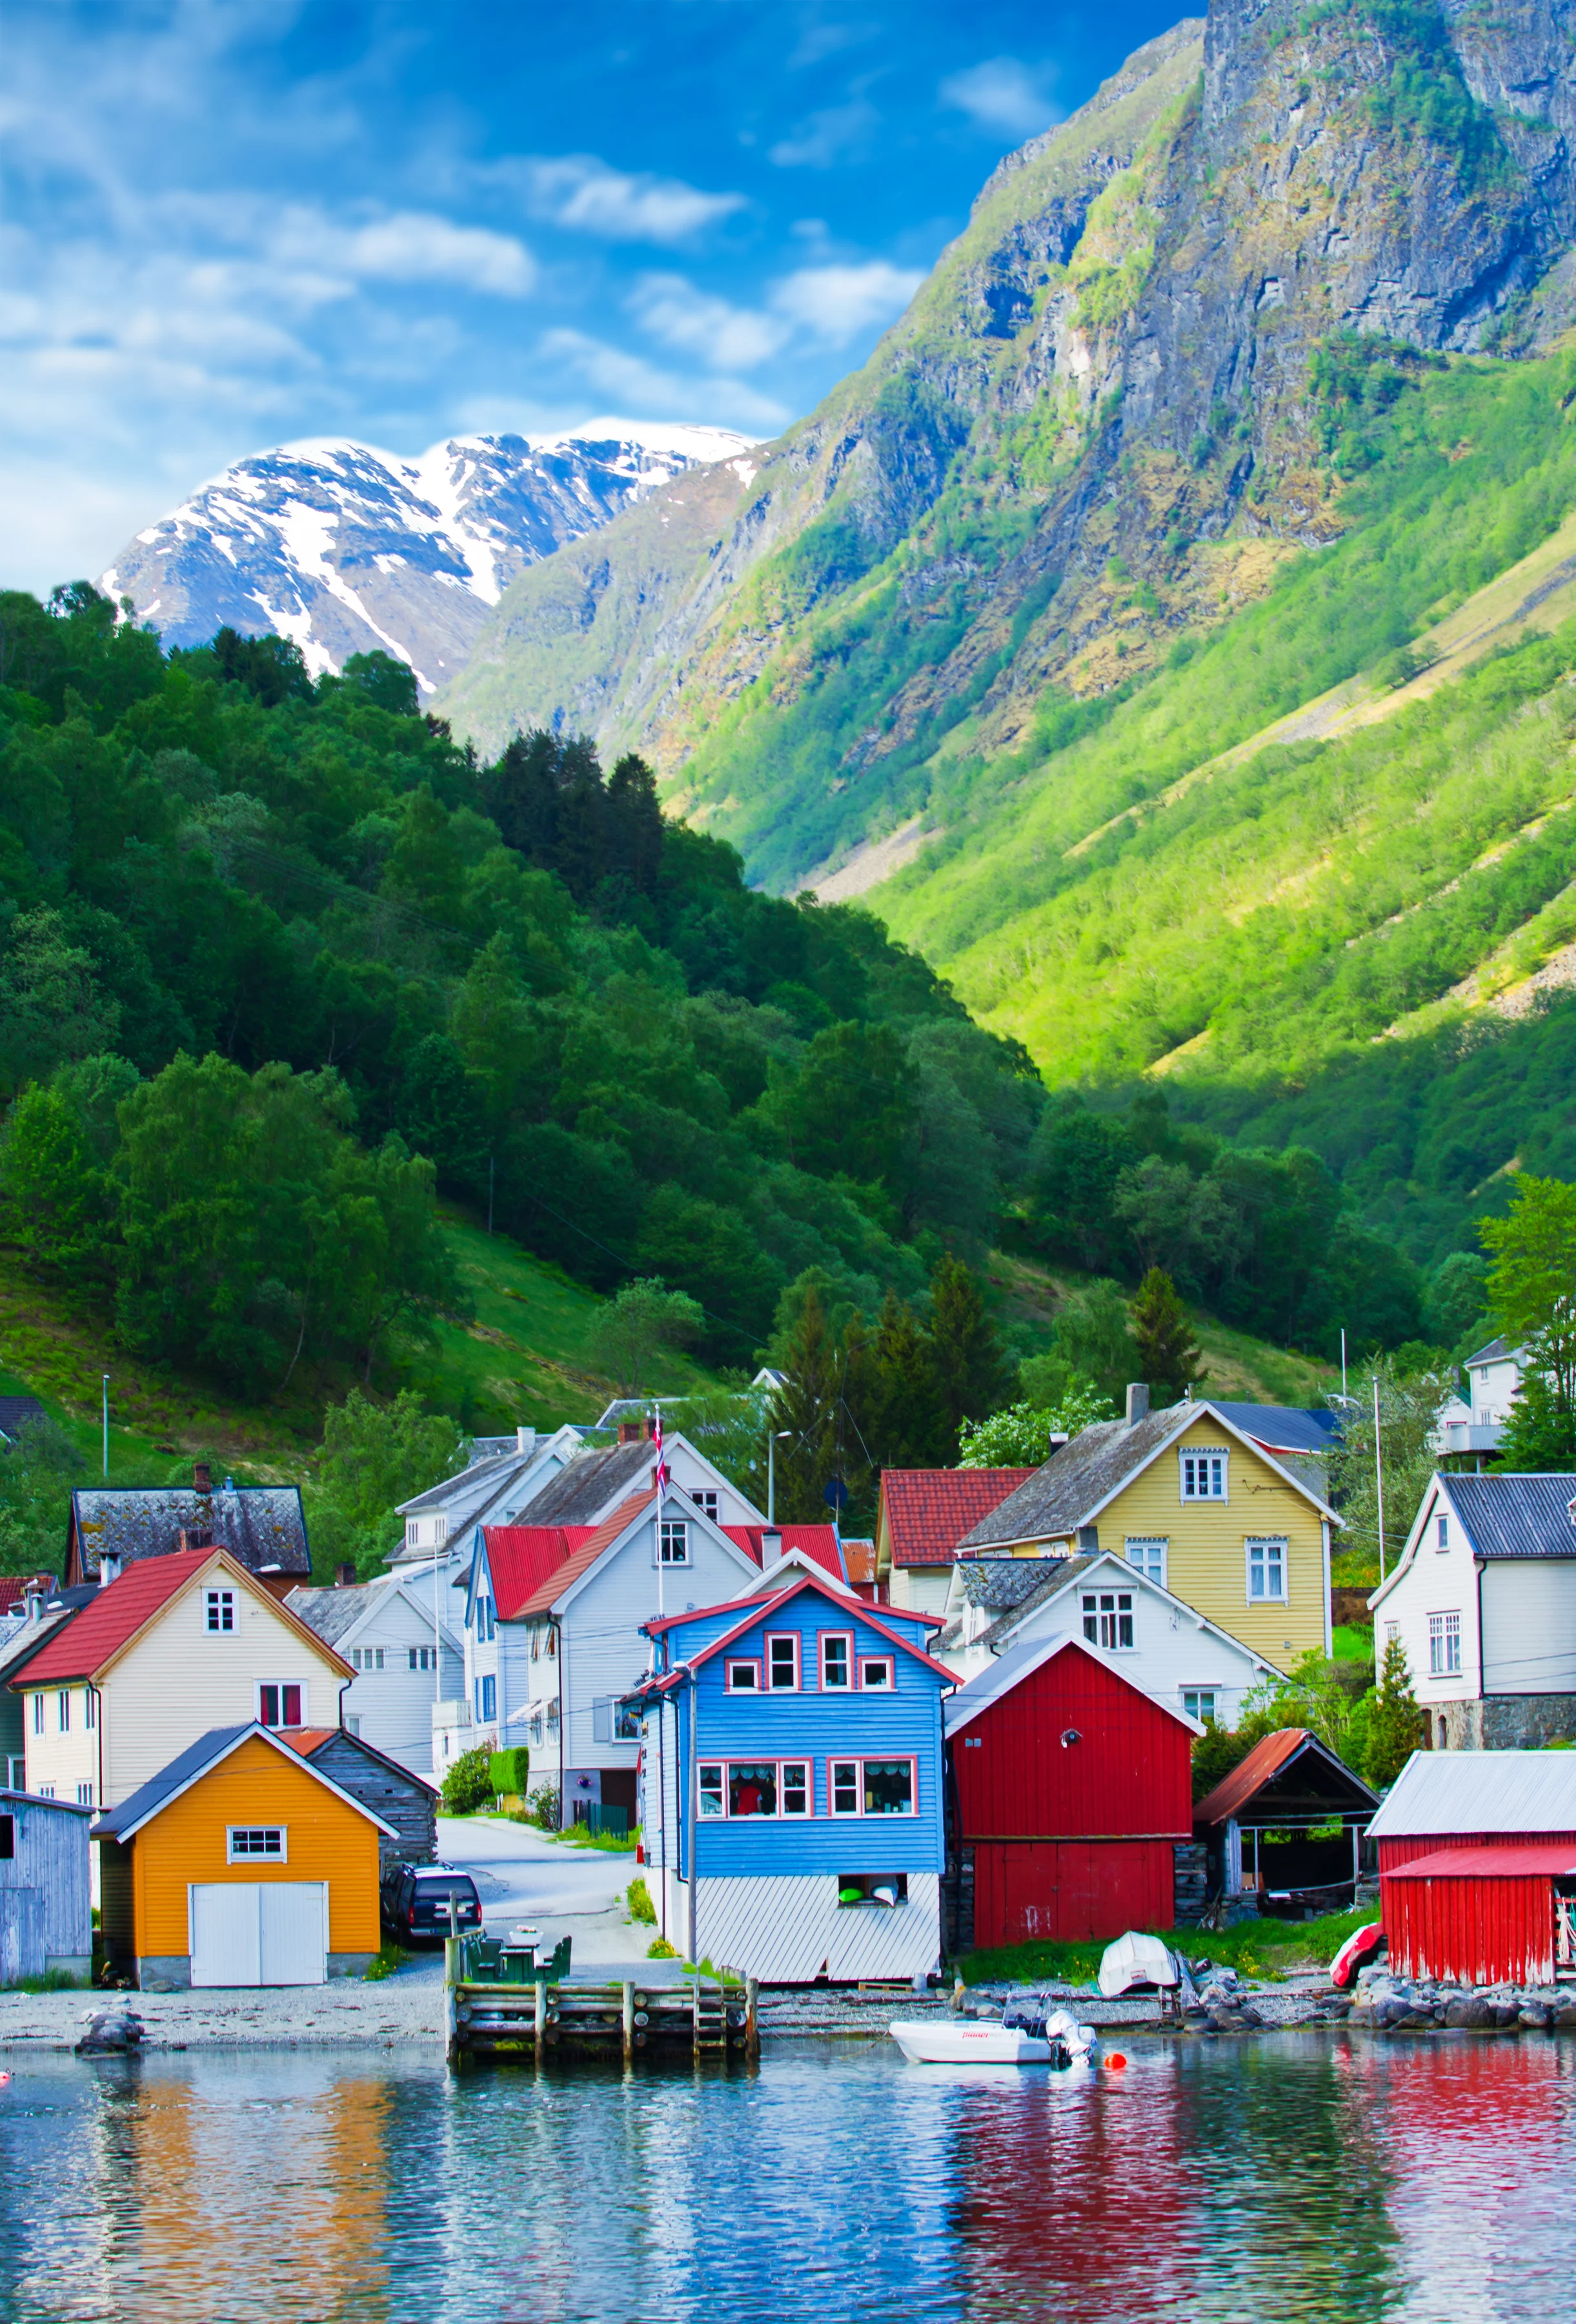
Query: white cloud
<point x="408" y="246"/>
<point x="585" y="194"/>
<point x="638" y="385"/>
<point x="1003" y="96"/>
<point x="729" y="339"/>
<point x="838" y="133"/>
<point x="836" y="303"/>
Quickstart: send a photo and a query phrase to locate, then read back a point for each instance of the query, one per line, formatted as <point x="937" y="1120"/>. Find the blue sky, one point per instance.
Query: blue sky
<point x="225" y="225"/>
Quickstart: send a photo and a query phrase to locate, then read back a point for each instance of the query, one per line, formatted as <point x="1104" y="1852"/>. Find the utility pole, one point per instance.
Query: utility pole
<point x="489" y="1193"/>
<point x="106" y="1428"/>
<point x="1343" y="1363"/>
<point x="1379" y="1476"/>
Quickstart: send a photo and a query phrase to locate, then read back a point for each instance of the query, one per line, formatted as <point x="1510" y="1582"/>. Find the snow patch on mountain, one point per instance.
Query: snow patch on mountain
<point x="347" y="547"/>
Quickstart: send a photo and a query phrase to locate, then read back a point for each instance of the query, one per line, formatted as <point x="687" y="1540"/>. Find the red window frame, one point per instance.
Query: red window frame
<point x="744" y="1663"/>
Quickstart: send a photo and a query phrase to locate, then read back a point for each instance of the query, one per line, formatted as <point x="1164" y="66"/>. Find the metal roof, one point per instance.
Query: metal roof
<point x="19" y="1412"/>
<point x="1551" y="1860"/>
<point x="1480" y="1791"/>
<point x="1290" y="1773"/>
<point x="1281" y="1427"/>
<point x="471" y="1492"/>
<point x="1516" y="1516"/>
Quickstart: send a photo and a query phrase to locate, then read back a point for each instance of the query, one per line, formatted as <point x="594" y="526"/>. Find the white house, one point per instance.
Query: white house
<point x="1483" y="1600"/>
<point x="1476" y="1422"/>
<point x="501" y="1475"/>
<point x="1175" y="1654"/>
<point x="405" y="1658"/>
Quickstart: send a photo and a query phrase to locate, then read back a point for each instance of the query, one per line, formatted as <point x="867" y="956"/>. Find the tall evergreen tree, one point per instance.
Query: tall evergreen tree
<point x="968" y="1354"/>
<point x="1168" y="1353"/>
<point x="1396" y="1727"/>
<point x="806" y="1406"/>
<point x="902" y="1409"/>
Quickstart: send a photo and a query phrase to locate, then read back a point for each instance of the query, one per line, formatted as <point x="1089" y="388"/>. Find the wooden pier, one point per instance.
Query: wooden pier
<point x="701" y="2016"/>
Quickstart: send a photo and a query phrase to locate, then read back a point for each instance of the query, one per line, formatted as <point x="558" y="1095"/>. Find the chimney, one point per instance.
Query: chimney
<point x="1138" y="1402"/>
<point x="36" y="1605"/>
<point x="770" y="1545"/>
<point x="202" y="1477"/>
<point x="525" y="1440"/>
<point x="650" y="1425"/>
<point x="631" y="1432"/>
<point x="344" y="1577"/>
<point x="108" y="1568"/>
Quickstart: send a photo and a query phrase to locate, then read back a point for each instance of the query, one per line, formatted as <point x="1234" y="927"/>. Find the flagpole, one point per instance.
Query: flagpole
<point x="657" y="1479"/>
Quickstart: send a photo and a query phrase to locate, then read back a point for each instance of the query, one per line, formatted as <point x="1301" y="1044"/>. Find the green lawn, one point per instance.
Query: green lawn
<point x="1260" y="1948"/>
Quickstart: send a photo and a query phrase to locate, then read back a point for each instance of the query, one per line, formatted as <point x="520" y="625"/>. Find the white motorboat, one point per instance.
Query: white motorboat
<point x="964" y="2041"/>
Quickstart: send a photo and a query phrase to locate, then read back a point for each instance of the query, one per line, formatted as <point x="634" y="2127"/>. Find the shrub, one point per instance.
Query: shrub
<point x="510" y="1771"/>
<point x="637" y="1896"/>
<point x="660" y="1950"/>
<point x="468" y="1785"/>
<point x="542" y="1807"/>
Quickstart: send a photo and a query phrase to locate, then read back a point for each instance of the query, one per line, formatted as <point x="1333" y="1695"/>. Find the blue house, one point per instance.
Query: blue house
<point x="792" y="1784"/>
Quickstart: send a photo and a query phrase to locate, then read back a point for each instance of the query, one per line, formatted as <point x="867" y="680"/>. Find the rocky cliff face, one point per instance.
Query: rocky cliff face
<point x="1105" y="420"/>
<point x="345" y="549"/>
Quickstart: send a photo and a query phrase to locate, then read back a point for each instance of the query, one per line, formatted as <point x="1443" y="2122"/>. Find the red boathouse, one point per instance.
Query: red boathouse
<point x="1072" y="1787"/>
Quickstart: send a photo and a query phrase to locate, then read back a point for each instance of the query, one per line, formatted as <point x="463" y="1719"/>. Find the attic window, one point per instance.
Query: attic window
<point x="219" y="1610"/>
<point x="673" y="1542"/>
<point x="707" y="1502"/>
<point x="1204" y="1474"/>
<point x="1442" y="1534"/>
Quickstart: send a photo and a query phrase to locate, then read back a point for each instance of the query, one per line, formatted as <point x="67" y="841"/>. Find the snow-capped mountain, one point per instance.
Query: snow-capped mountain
<point x="345" y="548"/>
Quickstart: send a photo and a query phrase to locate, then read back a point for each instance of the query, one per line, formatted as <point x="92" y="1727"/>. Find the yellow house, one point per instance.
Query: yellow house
<point x="175" y="1646"/>
<point x="240" y="1863"/>
<point x="1197" y="1506"/>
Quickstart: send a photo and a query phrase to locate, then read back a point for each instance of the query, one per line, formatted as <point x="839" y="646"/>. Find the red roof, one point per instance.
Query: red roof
<point x="817" y="1541"/>
<point x="756" y="1609"/>
<point x="520" y="1558"/>
<point x="111" y="1620"/>
<point x="12" y="1588"/>
<point x="582" y="1557"/>
<point x="1525" y="1860"/>
<point x="928" y="1511"/>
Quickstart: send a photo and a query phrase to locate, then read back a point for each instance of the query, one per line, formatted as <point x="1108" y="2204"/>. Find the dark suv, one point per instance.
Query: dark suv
<point x="416" y="1899"/>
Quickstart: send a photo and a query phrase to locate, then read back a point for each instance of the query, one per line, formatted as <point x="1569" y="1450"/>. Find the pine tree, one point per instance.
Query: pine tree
<point x="901" y="1400"/>
<point x="806" y="1406"/>
<point x="1396" y="1727"/>
<point x="968" y="1354"/>
<point x="1168" y="1352"/>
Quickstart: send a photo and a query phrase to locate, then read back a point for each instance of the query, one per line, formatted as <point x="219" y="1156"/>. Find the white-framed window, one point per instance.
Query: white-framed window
<point x="706" y="1502"/>
<point x="1444" y="1646"/>
<point x="752" y="1788"/>
<point x="836" y="1660"/>
<point x="1266" y="1569"/>
<point x="46" y="1791"/>
<point x="412" y="1534"/>
<point x="1392" y="1632"/>
<point x="486" y="1689"/>
<point x="743" y="1678"/>
<point x="63" y="1710"/>
<point x="842" y="1786"/>
<point x="875" y="1673"/>
<point x="1204" y="1472"/>
<point x="366" y="1658"/>
<point x="218" y="1612"/>
<point x="793" y="1796"/>
<point x="279" y="1703"/>
<point x="1108" y="1620"/>
<point x="422" y="1658"/>
<point x="486" y="1620"/>
<point x="84" y="1795"/>
<point x="253" y="1843"/>
<point x="673" y="1542"/>
<point x="709" y="1784"/>
<point x="1441" y="1533"/>
<point x="37" y="1714"/>
<point x="782" y="1661"/>
<point x="1199" y="1701"/>
<point x="1147" y="1553"/>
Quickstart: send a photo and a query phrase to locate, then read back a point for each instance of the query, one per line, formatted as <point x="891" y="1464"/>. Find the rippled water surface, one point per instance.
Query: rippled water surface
<point x="1286" y="2177"/>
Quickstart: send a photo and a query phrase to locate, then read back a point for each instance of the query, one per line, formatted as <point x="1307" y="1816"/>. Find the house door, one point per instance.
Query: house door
<point x="260" y="1932"/>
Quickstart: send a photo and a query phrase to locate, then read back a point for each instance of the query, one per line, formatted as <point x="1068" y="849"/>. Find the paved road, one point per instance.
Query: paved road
<point x="523" y="1875"/>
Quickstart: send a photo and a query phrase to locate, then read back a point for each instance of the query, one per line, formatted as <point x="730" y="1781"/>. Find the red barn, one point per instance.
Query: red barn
<point x="1072" y="1787"/>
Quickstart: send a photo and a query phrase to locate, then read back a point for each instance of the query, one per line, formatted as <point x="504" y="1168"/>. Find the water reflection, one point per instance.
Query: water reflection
<point x="1287" y="2178"/>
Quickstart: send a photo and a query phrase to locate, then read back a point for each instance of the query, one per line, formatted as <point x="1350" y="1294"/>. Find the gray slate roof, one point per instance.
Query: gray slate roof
<point x="1005" y="1581"/>
<point x="19" y="1412"/>
<point x="1496" y="1352"/>
<point x="330" y="1613"/>
<point x="1517" y="1516"/>
<point x="259" y="1524"/>
<point x="589" y="1486"/>
<point x="1059" y="1497"/>
<point x="20" y="1641"/>
<point x="468" y="1496"/>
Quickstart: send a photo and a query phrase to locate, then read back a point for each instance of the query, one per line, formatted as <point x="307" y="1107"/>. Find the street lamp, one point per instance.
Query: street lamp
<point x="772" y="1442"/>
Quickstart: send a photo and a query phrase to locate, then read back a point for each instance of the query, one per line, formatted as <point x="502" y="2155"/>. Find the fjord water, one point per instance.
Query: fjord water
<point x="1283" y="2177"/>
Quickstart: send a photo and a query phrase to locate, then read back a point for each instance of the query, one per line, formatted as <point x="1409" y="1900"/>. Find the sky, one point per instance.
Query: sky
<point x="226" y="225"/>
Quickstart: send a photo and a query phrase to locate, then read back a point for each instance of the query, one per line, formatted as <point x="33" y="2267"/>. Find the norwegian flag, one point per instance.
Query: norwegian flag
<point x="661" y="1476"/>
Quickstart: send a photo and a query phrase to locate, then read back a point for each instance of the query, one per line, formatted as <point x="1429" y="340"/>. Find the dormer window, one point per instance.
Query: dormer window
<point x="706" y="1502"/>
<point x="1204" y="1474"/>
<point x="218" y="1611"/>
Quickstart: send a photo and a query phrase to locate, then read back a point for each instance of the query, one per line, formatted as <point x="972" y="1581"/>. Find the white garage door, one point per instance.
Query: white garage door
<point x="260" y="1932"/>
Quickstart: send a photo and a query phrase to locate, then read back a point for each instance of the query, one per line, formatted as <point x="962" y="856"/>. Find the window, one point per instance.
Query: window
<point x="218" y="1611"/>
<point x="795" y="1793"/>
<point x="626" y="1722"/>
<point x="1199" y="1701"/>
<point x="1204" y="1474"/>
<point x="1266" y="1572"/>
<point x="842" y="1785"/>
<point x="1148" y="1553"/>
<point x="248" y="1843"/>
<point x="63" y="1710"/>
<point x="422" y="1657"/>
<point x="889" y="1787"/>
<point x="1444" y="1646"/>
<point x="673" y="1542"/>
<point x="366" y="1658"/>
<point x="875" y="1671"/>
<point x="706" y="1502"/>
<point x="412" y="1534"/>
<point x="37" y="1714"/>
<point x="486" y="1620"/>
<point x="279" y="1706"/>
<point x="486" y="1690"/>
<point x="8" y="1838"/>
<point x="782" y="1663"/>
<point x="710" y="1785"/>
<point x="743" y="1678"/>
<point x="1108" y="1618"/>
<point x="89" y="1707"/>
<point x="753" y="1789"/>
<point x="836" y="1660"/>
<point x="84" y="1795"/>
<point x="46" y="1791"/>
<point x="1441" y="1533"/>
<point x="884" y="1890"/>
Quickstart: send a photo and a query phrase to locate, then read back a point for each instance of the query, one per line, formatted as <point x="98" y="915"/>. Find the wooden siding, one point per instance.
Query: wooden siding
<point x="51" y="1857"/>
<point x="1129" y="1775"/>
<point x="256" y="1785"/>
<point x="1482" y="1929"/>
<point x="1070" y="1890"/>
<point x="788" y="1930"/>
<point x="177" y="1682"/>
<point x="1206" y="1562"/>
<point x="394" y="1704"/>
<point x="1434" y="1581"/>
<point x="59" y="1764"/>
<point x="117" y="1900"/>
<point x="1529" y="1625"/>
<point x="412" y="1807"/>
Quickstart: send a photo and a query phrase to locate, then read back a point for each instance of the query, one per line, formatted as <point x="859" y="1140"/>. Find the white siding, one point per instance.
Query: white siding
<point x="393" y="1705"/>
<point x="1529" y="1627"/>
<point x="923" y="1589"/>
<point x="1434" y="1581"/>
<point x="59" y="1764"/>
<point x="785" y="1928"/>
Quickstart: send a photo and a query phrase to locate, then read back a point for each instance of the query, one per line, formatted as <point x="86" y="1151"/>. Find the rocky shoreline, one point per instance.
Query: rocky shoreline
<point x="1385" y="2003"/>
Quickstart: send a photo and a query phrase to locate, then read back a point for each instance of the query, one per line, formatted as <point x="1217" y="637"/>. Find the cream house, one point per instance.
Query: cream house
<point x="170" y="1649"/>
<point x="1193" y="1501"/>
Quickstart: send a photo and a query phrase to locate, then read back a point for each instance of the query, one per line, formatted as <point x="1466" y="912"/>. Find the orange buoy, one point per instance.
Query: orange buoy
<point x="1115" y="2062"/>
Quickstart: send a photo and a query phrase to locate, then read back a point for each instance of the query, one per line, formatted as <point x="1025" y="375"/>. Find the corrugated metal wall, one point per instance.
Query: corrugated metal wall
<point x="1070" y="1889"/>
<point x="1392" y="1853"/>
<point x="1481" y="1931"/>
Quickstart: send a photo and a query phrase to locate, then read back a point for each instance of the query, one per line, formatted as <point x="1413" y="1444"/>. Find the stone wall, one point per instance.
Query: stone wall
<point x="1502" y="1723"/>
